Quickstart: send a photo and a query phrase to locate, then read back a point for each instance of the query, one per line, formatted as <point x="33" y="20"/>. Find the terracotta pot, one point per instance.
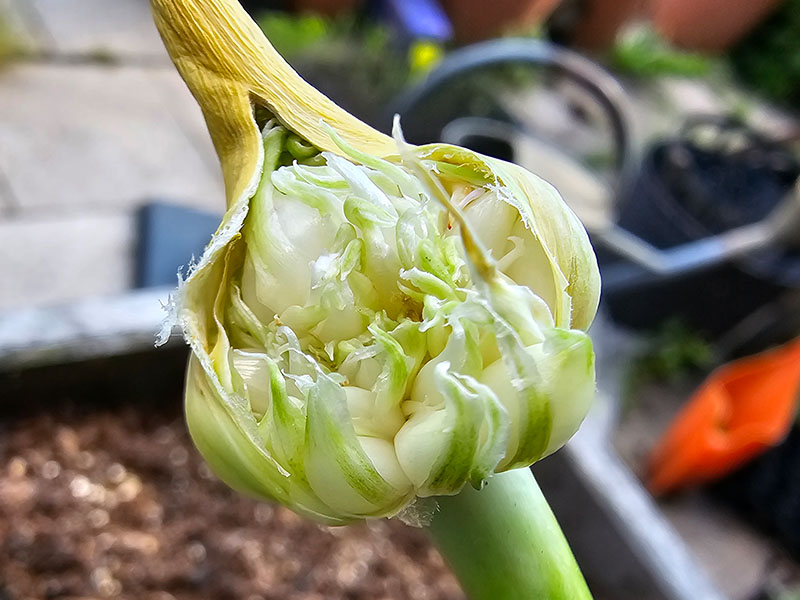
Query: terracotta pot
<point x="602" y="19"/>
<point x="326" y="7"/>
<point x="475" y="20"/>
<point x="711" y="25"/>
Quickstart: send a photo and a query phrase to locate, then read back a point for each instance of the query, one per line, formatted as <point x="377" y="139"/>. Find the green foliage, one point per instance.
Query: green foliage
<point x="785" y="594"/>
<point x="299" y="35"/>
<point x="769" y="58"/>
<point x="309" y="37"/>
<point x="10" y="44"/>
<point x="352" y="60"/>
<point x="672" y="352"/>
<point x="293" y="34"/>
<point x="641" y="51"/>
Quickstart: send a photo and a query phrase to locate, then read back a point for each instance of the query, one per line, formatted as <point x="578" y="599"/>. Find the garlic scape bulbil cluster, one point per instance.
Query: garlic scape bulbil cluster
<point x="362" y="352"/>
<point x="373" y="323"/>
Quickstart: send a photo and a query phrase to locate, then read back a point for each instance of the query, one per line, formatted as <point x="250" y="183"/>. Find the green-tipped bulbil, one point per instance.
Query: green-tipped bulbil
<point x="373" y="322"/>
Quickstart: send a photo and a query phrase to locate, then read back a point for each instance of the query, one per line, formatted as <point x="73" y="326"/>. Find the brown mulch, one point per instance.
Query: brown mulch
<point x="118" y="504"/>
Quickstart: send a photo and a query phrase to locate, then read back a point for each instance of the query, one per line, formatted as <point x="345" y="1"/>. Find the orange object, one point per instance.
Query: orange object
<point x="475" y="20"/>
<point x="709" y="25"/>
<point x="742" y="409"/>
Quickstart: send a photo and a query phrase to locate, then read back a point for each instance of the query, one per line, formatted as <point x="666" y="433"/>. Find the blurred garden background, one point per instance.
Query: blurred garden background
<point x="671" y="127"/>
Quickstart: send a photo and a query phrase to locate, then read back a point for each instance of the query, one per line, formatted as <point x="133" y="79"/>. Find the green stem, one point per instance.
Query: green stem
<point x="503" y="543"/>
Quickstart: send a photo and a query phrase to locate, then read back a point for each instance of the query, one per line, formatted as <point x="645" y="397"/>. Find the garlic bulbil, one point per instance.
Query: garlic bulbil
<point x="373" y="322"/>
<point x="351" y="355"/>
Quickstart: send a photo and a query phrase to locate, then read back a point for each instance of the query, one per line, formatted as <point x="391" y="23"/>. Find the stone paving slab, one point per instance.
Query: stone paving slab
<point x="118" y="28"/>
<point x="46" y="261"/>
<point x="183" y="108"/>
<point x="733" y="555"/>
<point x="7" y="201"/>
<point x="80" y="330"/>
<point x="82" y="137"/>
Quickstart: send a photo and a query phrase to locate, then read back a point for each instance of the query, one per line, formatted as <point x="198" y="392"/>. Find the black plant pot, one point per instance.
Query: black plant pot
<point x="684" y="192"/>
<point x="767" y="491"/>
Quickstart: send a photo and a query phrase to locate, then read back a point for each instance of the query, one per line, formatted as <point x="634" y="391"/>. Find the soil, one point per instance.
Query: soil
<point x="117" y="503"/>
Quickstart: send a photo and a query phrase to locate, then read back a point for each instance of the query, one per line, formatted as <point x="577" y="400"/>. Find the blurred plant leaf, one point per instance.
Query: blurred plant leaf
<point x="673" y="352"/>
<point x="769" y="58"/>
<point x="641" y="51"/>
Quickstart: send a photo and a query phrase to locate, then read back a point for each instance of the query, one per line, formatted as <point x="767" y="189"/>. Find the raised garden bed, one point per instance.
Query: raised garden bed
<point x="103" y="495"/>
<point x="80" y="385"/>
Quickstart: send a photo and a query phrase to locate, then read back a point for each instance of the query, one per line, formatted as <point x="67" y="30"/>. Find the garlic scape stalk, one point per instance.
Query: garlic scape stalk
<point x="376" y="324"/>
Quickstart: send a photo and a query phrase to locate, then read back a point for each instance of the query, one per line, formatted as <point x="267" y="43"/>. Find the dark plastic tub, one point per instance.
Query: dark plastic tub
<point x="686" y="191"/>
<point x="767" y="491"/>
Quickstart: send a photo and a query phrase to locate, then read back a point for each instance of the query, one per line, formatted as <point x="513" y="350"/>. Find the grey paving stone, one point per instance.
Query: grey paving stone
<point x="120" y="28"/>
<point x="82" y="329"/>
<point x="735" y="556"/>
<point x="186" y="112"/>
<point x="78" y="138"/>
<point x="7" y="202"/>
<point x="52" y="260"/>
